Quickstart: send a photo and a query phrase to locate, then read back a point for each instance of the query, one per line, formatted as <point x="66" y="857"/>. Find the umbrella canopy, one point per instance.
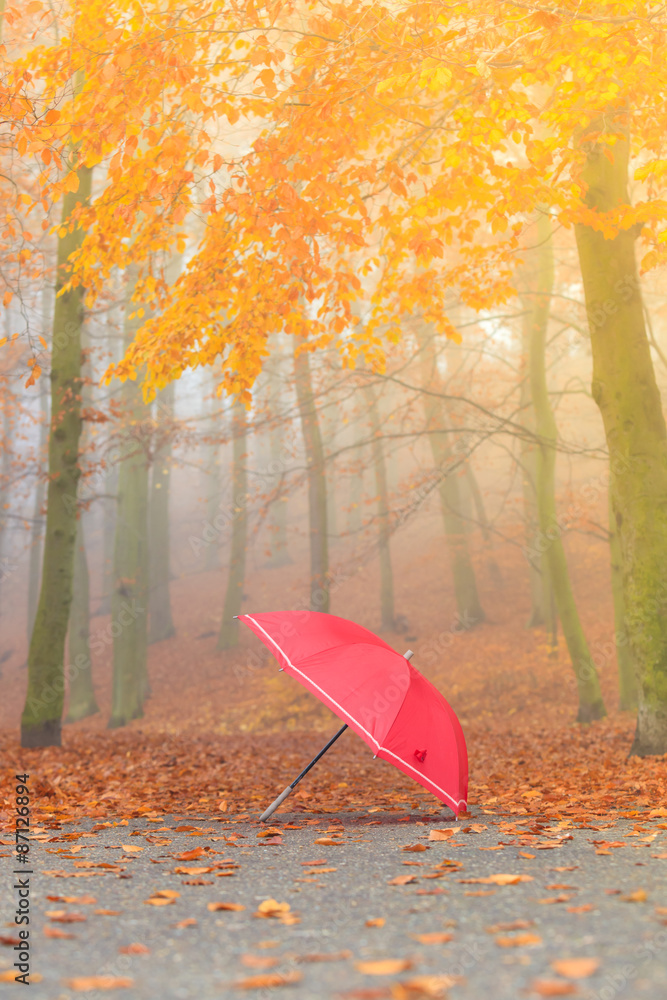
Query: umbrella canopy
<point x="376" y="691"/>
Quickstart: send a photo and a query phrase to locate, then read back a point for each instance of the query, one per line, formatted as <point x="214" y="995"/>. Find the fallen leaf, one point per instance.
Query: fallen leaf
<point x="271" y="831"/>
<point x="441" y="834"/>
<point x="318" y="861"/>
<point x="639" y="896"/>
<point x="132" y="848"/>
<point x="511" y="925"/>
<point x="55" y="932"/>
<point x="376" y="922"/>
<point x="424" y="986"/>
<point x="500" y="879"/>
<point x="553" y="988"/>
<point x="328" y="842"/>
<point x="416" y="848"/>
<point x="190" y="870"/>
<point x="271" y="908"/>
<point x="563" y="897"/>
<point x="215" y="907"/>
<point x="134" y="949"/>
<point x="479" y="892"/>
<point x="11" y="941"/>
<point x="383" y="966"/>
<point x="196" y="852"/>
<point x="259" y="961"/>
<point x="518" y="940"/>
<point x="270" y="979"/>
<point x="318" y="871"/>
<point x="159" y="901"/>
<point x="525" y="854"/>
<point x="86" y="983"/>
<point x="585" y="908"/>
<point x="66" y="918"/>
<point x="188" y="922"/>
<point x="9" y="976"/>
<point x="433" y="938"/>
<point x="576" y="968"/>
<point x="402" y="880"/>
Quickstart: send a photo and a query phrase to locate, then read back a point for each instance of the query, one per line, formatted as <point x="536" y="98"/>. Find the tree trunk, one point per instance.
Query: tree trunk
<point x="229" y="628"/>
<point x="627" y="684"/>
<point x="41" y="719"/>
<point x="317" y="485"/>
<point x="470" y="611"/>
<point x="591" y="705"/>
<point x="37" y="527"/>
<point x="540" y="585"/>
<point x="278" y="511"/>
<point x="129" y="597"/>
<point x="6" y="563"/>
<point x="161" y="625"/>
<point x="383" y="515"/>
<point x="485" y="527"/>
<point x="213" y="478"/>
<point x="82" y="700"/>
<point x="625" y="389"/>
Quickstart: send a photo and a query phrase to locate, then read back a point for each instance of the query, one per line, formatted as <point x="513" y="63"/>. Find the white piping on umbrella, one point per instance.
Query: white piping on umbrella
<point x="421" y="776"/>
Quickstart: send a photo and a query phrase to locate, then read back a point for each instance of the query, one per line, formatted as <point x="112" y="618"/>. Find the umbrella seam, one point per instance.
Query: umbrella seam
<point x="349" y="716"/>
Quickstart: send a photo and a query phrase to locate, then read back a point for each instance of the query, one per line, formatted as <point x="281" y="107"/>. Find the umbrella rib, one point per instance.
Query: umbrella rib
<point x="328" y="697"/>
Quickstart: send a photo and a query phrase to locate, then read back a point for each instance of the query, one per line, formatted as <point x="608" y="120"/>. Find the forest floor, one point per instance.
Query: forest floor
<point x="223" y="733"/>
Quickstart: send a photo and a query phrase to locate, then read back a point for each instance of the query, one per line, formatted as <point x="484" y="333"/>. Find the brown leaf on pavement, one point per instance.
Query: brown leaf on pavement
<point x="85" y="983"/>
<point x="415" y="848"/>
<point x="269" y="980"/>
<point x="384" y="966"/>
<point x="55" y="932"/>
<point x="518" y="940"/>
<point x="134" y="949"/>
<point x="553" y="988"/>
<point x="214" y="907"/>
<point x="433" y="938"/>
<point x="376" y="922"/>
<point x="402" y="880"/>
<point x="576" y="968"/>
<point x="259" y="961"/>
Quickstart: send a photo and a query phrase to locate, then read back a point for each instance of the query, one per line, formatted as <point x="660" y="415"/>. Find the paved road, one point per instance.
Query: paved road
<point x="606" y="907"/>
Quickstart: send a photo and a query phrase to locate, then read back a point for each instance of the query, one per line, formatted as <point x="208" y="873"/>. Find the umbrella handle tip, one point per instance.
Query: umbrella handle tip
<point x="408" y="655"/>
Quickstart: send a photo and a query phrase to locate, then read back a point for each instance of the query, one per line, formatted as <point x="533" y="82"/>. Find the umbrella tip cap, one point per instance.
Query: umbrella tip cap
<point x="408" y="655"/>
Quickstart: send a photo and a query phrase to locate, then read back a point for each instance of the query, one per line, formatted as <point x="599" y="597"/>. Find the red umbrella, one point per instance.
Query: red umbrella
<point x="377" y="693"/>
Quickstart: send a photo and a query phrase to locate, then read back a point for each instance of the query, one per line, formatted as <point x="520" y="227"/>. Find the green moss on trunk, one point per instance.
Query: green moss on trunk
<point x="229" y="628"/>
<point x="40" y="721"/>
<point x="129" y="597"/>
<point x="383" y="516"/>
<point x="161" y="625"/>
<point x="591" y="705"/>
<point x="625" y="389"/>
<point x="317" y="485"/>
<point x="82" y="701"/>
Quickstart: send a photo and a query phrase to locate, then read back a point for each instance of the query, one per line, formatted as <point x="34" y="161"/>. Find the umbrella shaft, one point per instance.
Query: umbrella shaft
<point x="320" y="754"/>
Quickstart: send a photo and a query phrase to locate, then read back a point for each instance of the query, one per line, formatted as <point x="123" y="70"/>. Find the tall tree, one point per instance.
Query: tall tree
<point x="37" y="526"/>
<point x="627" y="394"/>
<point x="161" y="625"/>
<point x="129" y="598"/>
<point x="469" y="607"/>
<point x="229" y="627"/>
<point x="317" y="483"/>
<point x="82" y="701"/>
<point x="41" y="718"/>
<point x="591" y="705"/>
<point x="387" y="614"/>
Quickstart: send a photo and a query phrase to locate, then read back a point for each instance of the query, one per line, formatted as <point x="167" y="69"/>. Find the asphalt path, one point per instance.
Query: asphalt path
<point x="337" y="927"/>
